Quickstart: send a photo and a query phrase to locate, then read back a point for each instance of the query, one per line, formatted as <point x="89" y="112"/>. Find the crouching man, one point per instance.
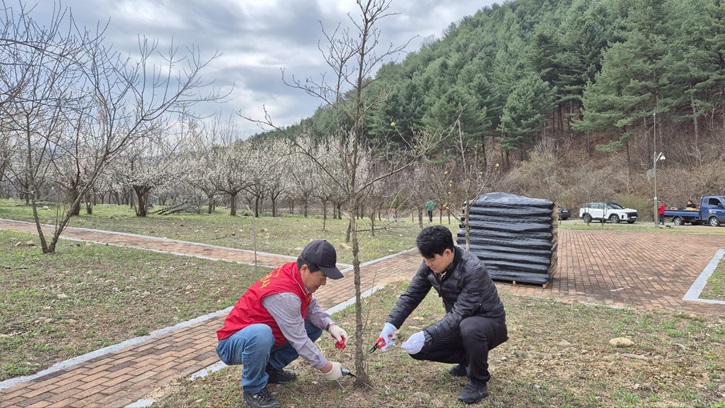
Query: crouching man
<point x="277" y="320"/>
<point x="475" y="320"/>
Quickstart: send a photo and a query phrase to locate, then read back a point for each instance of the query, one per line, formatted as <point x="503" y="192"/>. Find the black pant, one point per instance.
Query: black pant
<point x="468" y="346"/>
<point x="430" y="216"/>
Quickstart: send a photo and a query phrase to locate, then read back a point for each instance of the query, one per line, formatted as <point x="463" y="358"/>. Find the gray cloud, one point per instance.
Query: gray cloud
<point x="258" y="38"/>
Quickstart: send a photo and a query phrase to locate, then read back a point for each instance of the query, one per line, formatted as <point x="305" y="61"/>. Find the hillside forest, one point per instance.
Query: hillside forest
<point x="569" y="100"/>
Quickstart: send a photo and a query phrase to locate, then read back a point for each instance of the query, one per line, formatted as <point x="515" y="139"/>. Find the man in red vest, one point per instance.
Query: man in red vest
<point x="277" y="320"/>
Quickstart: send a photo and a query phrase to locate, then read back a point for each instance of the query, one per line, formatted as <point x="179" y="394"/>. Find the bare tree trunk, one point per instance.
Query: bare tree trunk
<point x="75" y="208"/>
<point x="233" y="204"/>
<point x="349" y="229"/>
<point x="142" y="198"/>
<point x="372" y="221"/>
<point x="210" y="203"/>
<point x="90" y="196"/>
<point x="324" y="215"/>
<point x="696" y="124"/>
<point x="43" y="244"/>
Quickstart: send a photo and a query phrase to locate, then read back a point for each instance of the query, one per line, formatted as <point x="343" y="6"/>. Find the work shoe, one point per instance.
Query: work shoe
<point x="458" y="371"/>
<point x="262" y="399"/>
<point x="473" y="392"/>
<point x="279" y="376"/>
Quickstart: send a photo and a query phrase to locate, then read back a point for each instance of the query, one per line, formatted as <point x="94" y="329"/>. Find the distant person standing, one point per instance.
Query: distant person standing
<point x="429" y="207"/>
<point x="661" y="213"/>
<point x="394" y="214"/>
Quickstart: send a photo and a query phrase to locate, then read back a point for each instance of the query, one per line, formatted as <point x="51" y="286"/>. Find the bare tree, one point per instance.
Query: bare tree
<point x="200" y="159"/>
<point x="8" y="145"/>
<point x="67" y="84"/>
<point x="422" y="180"/>
<point x="472" y="177"/>
<point x="278" y="171"/>
<point x="439" y="179"/>
<point x="352" y="57"/>
<point x="232" y="157"/>
<point x="265" y="171"/>
<point x="152" y="163"/>
<point x="303" y="185"/>
<point x="40" y="80"/>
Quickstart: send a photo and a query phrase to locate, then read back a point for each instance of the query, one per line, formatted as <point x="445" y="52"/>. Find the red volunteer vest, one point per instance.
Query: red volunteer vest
<point x="249" y="309"/>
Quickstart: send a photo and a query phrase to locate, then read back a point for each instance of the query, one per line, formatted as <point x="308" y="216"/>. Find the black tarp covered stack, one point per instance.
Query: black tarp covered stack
<point x="514" y="236"/>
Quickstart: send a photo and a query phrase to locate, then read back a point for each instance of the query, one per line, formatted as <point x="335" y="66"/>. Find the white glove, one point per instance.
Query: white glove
<point x="336" y="372"/>
<point x="415" y="343"/>
<point x="338" y="334"/>
<point x="386" y="336"/>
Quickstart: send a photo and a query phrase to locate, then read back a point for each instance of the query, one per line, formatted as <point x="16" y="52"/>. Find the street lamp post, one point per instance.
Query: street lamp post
<point x="657" y="157"/>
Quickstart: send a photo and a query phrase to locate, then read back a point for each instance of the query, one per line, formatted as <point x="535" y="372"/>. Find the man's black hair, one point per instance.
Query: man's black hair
<point x="434" y="241"/>
<point x="302" y="261"/>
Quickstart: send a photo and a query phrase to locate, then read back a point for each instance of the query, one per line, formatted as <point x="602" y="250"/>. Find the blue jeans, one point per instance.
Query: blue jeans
<point x="253" y="347"/>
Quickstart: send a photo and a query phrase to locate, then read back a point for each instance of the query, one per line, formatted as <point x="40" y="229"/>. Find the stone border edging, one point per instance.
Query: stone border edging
<point x="110" y="349"/>
<point x="693" y="294"/>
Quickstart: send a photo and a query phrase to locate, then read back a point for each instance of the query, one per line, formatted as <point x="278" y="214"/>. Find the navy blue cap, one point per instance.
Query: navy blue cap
<point x="322" y="254"/>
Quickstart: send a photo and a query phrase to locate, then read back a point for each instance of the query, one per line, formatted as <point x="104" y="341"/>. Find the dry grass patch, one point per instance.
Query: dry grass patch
<point x="558" y="355"/>
<point x="88" y="296"/>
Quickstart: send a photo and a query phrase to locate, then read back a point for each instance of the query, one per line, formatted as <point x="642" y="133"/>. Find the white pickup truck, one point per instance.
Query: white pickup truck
<point x="611" y="212"/>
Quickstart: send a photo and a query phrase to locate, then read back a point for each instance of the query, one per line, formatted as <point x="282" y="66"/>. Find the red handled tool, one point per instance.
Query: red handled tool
<point x="377" y="345"/>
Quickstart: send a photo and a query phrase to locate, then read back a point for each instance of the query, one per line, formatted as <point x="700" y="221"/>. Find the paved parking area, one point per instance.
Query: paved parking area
<point x="620" y="268"/>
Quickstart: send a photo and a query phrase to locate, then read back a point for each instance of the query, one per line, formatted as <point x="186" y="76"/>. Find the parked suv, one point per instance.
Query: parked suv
<point x="611" y="212"/>
<point x="563" y="213"/>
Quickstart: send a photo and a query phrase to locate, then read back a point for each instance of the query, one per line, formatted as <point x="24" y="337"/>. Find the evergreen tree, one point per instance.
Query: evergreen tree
<point x="524" y="112"/>
<point x="630" y="86"/>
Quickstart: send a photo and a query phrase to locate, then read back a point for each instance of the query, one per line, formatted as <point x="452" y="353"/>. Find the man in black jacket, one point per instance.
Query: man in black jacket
<point x="475" y="320"/>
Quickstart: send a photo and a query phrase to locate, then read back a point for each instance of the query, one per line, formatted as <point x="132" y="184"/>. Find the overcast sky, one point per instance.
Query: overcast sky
<point x="258" y="38"/>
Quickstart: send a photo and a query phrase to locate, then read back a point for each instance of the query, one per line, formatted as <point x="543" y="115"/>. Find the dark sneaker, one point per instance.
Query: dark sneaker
<point x="473" y="392"/>
<point x="262" y="399"/>
<point x="279" y="376"/>
<point x="458" y="371"/>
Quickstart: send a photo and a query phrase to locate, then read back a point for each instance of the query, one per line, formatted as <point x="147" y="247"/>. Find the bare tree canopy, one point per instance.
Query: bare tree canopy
<point x="344" y="155"/>
<point x="74" y="104"/>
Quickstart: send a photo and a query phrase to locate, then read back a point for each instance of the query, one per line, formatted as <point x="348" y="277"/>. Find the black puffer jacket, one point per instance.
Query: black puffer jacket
<point x="466" y="290"/>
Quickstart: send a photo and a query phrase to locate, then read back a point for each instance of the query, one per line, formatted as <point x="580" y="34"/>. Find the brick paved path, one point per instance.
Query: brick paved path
<point x="643" y="270"/>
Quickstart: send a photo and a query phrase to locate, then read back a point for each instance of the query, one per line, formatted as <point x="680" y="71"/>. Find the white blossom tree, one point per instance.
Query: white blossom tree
<point x="232" y="158"/>
<point x="201" y="161"/>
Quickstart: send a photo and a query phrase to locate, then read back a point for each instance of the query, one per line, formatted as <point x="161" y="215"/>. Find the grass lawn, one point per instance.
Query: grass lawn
<point x="88" y="296"/>
<point x="558" y="355"/>
<point x="715" y="288"/>
<point x="285" y="235"/>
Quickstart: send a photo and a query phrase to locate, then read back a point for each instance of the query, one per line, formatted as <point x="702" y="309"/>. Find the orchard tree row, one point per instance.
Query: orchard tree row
<point x="71" y="105"/>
